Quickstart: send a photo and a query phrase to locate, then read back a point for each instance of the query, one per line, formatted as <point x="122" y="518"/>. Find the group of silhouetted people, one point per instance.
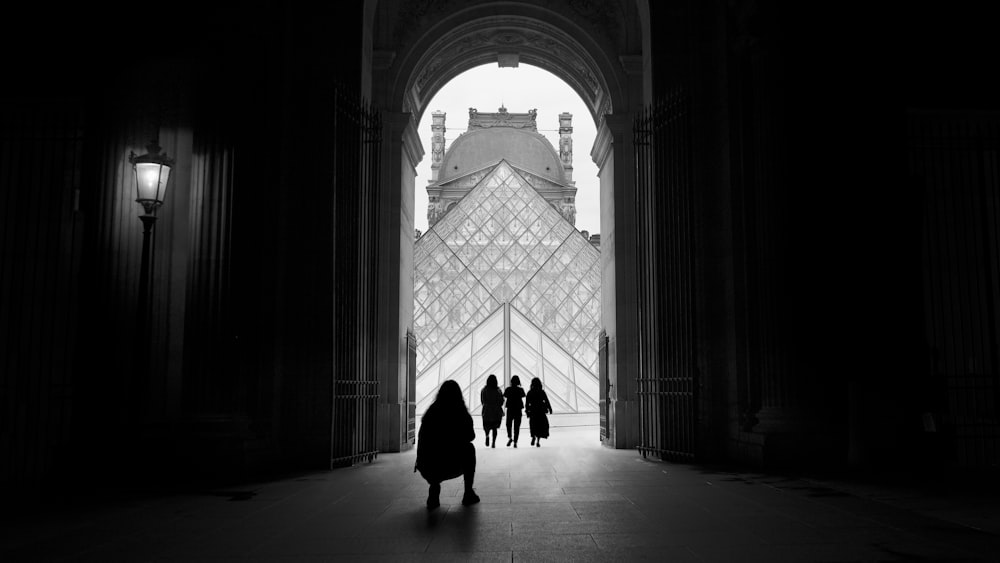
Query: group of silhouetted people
<point x="535" y="404"/>
<point x="444" y="445"/>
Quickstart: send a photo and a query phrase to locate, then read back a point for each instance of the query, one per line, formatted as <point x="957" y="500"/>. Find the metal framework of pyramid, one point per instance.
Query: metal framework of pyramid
<point x="502" y="282"/>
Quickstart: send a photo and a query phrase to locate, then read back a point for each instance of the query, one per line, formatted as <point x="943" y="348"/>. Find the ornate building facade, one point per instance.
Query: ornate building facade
<point x="515" y="135"/>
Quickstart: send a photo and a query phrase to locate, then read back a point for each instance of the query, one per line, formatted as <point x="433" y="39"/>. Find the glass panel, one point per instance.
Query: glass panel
<point x="461" y="376"/>
<point x="503" y="292"/>
<point x="560" y="360"/>
<point x="586" y="382"/>
<point x="523" y="372"/>
<point x="525" y="331"/>
<point x="454" y="359"/>
<point x="559" y="387"/>
<point x="488" y="330"/>
<point x="489" y="359"/>
<point x="427" y="387"/>
<point x="526" y="357"/>
<point x="478" y="382"/>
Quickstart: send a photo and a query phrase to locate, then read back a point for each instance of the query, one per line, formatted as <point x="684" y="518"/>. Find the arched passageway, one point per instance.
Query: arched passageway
<point x="414" y="49"/>
<point x="815" y="251"/>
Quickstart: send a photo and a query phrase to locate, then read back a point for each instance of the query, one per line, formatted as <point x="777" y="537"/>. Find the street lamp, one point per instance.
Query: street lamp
<point x="151" y="172"/>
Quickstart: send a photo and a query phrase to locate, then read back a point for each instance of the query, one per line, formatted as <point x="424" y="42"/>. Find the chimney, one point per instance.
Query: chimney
<point x="566" y="143"/>
<point x="437" y="143"/>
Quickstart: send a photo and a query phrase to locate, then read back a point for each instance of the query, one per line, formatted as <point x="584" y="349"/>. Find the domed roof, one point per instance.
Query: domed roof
<point x="477" y="148"/>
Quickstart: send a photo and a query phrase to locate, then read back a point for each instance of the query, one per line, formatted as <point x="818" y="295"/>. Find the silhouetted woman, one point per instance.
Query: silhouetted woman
<point x="492" y="400"/>
<point x="515" y="404"/>
<point x="444" y="445"/>
<point x="536" y="408"/>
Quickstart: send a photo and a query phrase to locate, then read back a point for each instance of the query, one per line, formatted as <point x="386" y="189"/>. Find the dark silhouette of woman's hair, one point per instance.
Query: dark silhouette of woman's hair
<point x="491" y="381"/>
<point x="450" y="396"/>
<point x="536" y="383"/>
<point x="515" y="381"/>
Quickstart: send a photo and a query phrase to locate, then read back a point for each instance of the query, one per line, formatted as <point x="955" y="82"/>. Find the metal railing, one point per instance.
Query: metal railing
<point x="953" y="162"/>
<point x="602" y="381"/>
<point x="667" y="382"/>
<point x="357" y="130"/>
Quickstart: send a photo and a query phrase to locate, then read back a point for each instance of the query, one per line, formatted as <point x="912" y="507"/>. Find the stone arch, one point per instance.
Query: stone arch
<point x="418" y="46"/>
<point x="411" y="48"/>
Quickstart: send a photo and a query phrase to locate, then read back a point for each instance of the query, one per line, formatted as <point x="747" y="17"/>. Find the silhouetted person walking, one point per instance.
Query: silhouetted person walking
<point x="444" y="445"/>
<point x="492" y="400"/>
<point x="536" y="407"/>
<point x="515" y="404"/>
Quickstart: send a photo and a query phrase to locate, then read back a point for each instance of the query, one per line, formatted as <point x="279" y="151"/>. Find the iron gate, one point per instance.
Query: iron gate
<point x="954" y="158"/>
<point x="602" y="381"/>
<point x="667" y="382"/>
<point x="357" y="130"/>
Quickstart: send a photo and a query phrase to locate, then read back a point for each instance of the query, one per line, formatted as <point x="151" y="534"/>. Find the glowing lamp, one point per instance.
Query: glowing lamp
<point x="152" y="171"/>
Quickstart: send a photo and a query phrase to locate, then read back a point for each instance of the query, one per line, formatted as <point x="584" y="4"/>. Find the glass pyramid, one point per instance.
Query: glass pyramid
<point x="503" y="280"/>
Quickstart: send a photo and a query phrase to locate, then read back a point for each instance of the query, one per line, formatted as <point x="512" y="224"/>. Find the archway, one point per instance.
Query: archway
<point x="415" y="48"/>
<point x="505" y="282"/>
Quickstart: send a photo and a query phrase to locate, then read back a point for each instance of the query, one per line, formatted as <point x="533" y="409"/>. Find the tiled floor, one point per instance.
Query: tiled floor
<point x="569" y="500"/>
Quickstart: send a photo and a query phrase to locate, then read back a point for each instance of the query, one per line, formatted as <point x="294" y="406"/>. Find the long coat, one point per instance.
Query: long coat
<point x="536" y="408"/>
<point x="492" y="400"/>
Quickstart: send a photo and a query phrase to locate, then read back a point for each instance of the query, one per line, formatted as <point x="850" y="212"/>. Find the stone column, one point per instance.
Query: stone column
<point x="401" y="151"/>
<point x="614" y="154"/>
<point x="764" y="187"/>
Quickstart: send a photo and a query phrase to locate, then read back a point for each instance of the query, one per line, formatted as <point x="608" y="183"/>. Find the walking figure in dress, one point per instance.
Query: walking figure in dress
<point x="492" y="400"/>
<point x="537" y="407"/>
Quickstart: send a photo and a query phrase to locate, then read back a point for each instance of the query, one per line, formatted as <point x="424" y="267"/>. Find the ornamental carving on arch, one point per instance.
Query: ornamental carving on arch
<point x="463" y="45"/>
<point x="599" y="14"/>
<point x="512" y="38"/>
<point x="414" y="14"/>
<point x="550" y="45"/>
<point x="605" y="108"/>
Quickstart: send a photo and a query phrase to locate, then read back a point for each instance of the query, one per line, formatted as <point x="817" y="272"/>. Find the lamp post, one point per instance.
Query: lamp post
<point x="152" y="172"/>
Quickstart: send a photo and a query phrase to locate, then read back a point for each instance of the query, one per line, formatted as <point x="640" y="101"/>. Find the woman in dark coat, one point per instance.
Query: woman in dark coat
<point x="492" y="400"/>
<point x="536" y="408"/>
<point x="515" y="404"/>
<point x="444" y="445"/>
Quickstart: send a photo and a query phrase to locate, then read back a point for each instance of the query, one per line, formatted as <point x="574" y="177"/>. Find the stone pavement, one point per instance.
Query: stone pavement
<point x="570" y="500"/>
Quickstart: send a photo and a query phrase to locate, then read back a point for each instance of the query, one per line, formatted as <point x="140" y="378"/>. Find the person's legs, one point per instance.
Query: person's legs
<point x="434" y="496"/>
<point x="469" y="474"/>
<point x="494" y="437"/>
<point x="517" y="427"/>
<point x="510" y="420"/>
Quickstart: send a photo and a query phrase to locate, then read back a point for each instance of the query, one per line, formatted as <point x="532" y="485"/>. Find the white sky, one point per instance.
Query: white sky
<point x="519" y="89"/>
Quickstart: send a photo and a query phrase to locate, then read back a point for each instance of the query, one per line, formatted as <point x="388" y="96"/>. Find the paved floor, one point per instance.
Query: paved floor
<point x="569" y="500"/>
